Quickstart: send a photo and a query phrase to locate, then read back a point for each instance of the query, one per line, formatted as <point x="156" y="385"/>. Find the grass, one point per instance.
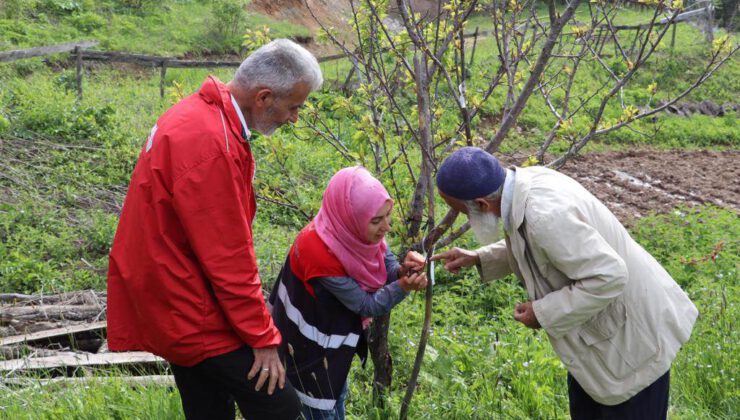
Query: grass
<point x="66" y="165"/>
<point x="58" y="209"/>
<point x="173" y="27"/>
<point x="480" y="363"/>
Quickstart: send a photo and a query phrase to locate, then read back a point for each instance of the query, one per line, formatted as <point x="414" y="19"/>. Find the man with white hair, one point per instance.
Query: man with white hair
<point x="613" y="315"/>
<point x="182" y="276"/>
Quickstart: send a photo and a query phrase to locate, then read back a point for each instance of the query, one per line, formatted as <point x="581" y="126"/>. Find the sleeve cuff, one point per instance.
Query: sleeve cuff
<point x="545" y="315"/>
<point x="494" y="261"/>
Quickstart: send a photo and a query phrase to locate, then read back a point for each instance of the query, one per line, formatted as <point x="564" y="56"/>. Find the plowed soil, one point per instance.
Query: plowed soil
<point x="634" y="183"/>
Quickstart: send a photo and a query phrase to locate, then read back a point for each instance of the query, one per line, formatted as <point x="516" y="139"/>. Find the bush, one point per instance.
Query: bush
<point x="88" y="22"/>
<point x="15" y="9"/>
<point x="61" y="7"/>
<point x="228" y="16"/>
<point x="4" y="125"/>
<point x="56" y="113"/>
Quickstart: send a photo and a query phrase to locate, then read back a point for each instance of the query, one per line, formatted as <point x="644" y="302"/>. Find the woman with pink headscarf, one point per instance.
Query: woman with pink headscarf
<point x="338" y="275"/>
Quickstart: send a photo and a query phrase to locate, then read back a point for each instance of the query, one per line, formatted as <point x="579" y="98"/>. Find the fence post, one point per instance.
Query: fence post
<point x="162" y="74"/>
<point x="78" y="59"/>
<point x="472" y="53"/>
<point x="709" y="22"/>
<point x="673" y="37"/>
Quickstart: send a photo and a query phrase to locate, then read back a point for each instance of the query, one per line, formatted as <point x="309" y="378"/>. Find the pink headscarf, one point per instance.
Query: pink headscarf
<point x="351" y="199"/>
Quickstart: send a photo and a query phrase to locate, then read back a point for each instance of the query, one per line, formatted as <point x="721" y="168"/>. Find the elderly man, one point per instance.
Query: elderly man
<point x="613" y="315"/>
<point x="182" y="279"/>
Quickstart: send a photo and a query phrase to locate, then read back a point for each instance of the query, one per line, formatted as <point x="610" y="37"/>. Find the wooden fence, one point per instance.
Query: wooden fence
<point x="80" y="50"/>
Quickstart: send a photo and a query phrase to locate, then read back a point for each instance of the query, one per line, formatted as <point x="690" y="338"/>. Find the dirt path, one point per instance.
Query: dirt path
<point x="633" y="183"/>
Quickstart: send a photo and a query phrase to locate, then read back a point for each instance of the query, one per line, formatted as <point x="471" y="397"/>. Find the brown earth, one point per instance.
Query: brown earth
<point x="330" y="13"/>
<point x="634" y="183"/>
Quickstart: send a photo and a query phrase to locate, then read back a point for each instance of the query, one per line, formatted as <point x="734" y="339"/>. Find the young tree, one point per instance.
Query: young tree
<point x="419" y="95"/>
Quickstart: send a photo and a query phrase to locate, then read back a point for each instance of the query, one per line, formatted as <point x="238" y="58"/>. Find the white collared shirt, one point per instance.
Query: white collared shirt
<point x="506" y="199"/>
<point x="241" y="117"/>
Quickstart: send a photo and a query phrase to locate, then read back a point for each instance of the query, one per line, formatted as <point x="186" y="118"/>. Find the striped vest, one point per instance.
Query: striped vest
<point x="320" y="335"/>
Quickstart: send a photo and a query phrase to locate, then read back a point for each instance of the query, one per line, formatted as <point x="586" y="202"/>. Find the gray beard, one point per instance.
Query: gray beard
<point x="266" y="129"/>
<point x="264" y="125"/>
<point x="484" y="226"/>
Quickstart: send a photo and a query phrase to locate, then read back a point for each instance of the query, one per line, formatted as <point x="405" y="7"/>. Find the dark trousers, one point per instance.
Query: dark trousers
<point x="649" y="404"/>
<point x="210" y="389"/>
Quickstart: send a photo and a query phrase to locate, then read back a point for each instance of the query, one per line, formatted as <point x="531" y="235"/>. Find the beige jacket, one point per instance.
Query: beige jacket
<point x="614" y="316"/>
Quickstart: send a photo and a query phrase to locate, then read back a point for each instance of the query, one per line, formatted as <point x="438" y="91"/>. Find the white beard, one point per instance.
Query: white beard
<point x="484" y="226"/>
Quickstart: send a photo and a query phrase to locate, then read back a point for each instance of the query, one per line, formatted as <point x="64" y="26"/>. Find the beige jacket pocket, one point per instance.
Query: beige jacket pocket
<point x="618" y="341"/>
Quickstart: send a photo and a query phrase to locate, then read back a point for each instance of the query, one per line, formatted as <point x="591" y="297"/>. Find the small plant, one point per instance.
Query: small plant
<point x="88" y="22"/>
<point x="227" y="15"/>
<point x="253" y="39"/>
<point x="176" y="92"/>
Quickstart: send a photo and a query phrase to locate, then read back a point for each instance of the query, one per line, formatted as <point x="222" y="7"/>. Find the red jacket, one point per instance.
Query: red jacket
<point x="182" y="276"/>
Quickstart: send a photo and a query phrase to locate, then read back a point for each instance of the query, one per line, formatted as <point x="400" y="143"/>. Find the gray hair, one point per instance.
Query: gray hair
<point x="278" y="66"/>
<point x="473" y="206"/>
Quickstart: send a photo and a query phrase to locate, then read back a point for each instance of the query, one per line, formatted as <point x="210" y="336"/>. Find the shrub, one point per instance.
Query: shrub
<point x="61" y="7"/>
<point x="14" y="9"/>
<point x="88" y="22"/>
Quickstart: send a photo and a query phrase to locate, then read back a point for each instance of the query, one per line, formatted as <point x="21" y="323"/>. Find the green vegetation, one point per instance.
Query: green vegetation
<point x="66" y="164"/>
<point x="674" y="71"/>
<point x="480" y="363"/>
<point x="173" y="27"/>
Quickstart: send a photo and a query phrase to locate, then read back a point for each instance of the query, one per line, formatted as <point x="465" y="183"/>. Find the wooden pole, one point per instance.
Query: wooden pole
<point x="78" y="59"/>
<point x="673" y="37"/>
<point x="709" y="22"/>
<point x="162" y="74"/>
<point x="461" y="91"/>
<point x="475" y="42"/>
<point x="42" y="51"/>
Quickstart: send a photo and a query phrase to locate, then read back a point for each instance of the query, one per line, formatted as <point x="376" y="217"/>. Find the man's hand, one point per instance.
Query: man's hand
<point x="414" y="281"/>
<point x="267" y="364"/>
<point x="414" y="262"/>
<point x="524" y="313"/>
<point x="457" y="258"/>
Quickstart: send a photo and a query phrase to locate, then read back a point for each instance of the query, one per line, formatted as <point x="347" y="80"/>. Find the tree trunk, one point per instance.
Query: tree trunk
<point x="382" y="360"/>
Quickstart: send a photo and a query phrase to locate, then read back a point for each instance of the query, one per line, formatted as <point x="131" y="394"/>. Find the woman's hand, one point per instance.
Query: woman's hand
<point x="414" y="262"/>
<point x="414" y="281"/>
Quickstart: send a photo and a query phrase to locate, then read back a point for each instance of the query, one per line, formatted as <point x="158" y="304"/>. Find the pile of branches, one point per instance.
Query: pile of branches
<point x="61" y="337"/>
<point x="685" y="109"/>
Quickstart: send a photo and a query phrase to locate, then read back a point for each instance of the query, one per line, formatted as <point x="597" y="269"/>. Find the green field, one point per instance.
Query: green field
<point x="66" y="164"/>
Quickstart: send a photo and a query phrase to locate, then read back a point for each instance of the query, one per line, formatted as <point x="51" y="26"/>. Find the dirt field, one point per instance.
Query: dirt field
<point x="633" y="183"/>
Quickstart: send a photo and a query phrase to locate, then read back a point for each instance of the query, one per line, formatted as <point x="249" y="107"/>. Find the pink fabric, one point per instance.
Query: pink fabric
<point x="351" y="199"/>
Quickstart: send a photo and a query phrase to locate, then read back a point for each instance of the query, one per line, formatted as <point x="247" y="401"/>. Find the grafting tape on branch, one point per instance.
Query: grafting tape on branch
<point x="413" y="380"/>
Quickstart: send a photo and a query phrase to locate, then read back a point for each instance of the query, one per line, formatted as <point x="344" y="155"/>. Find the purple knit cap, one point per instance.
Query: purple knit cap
<point x="470" y="173"/>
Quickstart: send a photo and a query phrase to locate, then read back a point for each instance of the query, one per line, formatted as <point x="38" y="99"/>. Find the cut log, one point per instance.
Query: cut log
<point x="84" y="297"/>
<point x="45" y="336"/>
<point x="31" y="326"/>
<point x="14" y="297"/>
<point x="159" y="380"/>
<point x="81" y="360"/>
<point x="21" y="350"/>
<point x="41" y="51"/>
<point x="44" y="312"/>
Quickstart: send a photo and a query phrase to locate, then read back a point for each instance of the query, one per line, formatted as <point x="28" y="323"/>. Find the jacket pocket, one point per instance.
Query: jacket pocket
<point x="618" y="341"/>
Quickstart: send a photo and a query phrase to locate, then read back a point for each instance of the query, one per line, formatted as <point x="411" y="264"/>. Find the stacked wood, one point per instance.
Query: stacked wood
<point x="23" y="314"/>
<point x="49" y="339"/>
<point x="78" y="359"/>
<point x="685" y="109"/>
<point x="165" y="380"/>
